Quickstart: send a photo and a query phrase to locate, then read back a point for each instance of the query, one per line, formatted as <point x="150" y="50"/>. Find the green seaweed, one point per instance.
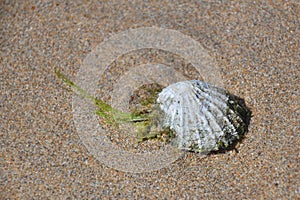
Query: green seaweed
<point x="143" y="122"/>
<point x="104" y="110"/>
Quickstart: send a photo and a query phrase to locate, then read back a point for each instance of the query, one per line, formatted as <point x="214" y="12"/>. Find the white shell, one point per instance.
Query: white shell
<point x="204" y="118"/>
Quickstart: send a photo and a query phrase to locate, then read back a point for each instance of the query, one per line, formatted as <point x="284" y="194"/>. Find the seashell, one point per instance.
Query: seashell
<point x="203" y="117"/>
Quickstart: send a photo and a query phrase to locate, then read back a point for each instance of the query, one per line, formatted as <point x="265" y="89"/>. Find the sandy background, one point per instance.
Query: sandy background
<point x="255" y="45"/>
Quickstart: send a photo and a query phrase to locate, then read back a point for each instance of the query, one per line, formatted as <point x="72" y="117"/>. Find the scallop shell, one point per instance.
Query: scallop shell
<point x="203" y="117"/>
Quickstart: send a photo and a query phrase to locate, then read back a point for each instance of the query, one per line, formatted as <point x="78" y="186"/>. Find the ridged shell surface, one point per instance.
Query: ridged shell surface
<point x="203" y="117"/>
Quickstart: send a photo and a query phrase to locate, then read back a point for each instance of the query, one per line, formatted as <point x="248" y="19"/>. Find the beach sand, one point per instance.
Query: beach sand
<point x="255" y="46"/>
